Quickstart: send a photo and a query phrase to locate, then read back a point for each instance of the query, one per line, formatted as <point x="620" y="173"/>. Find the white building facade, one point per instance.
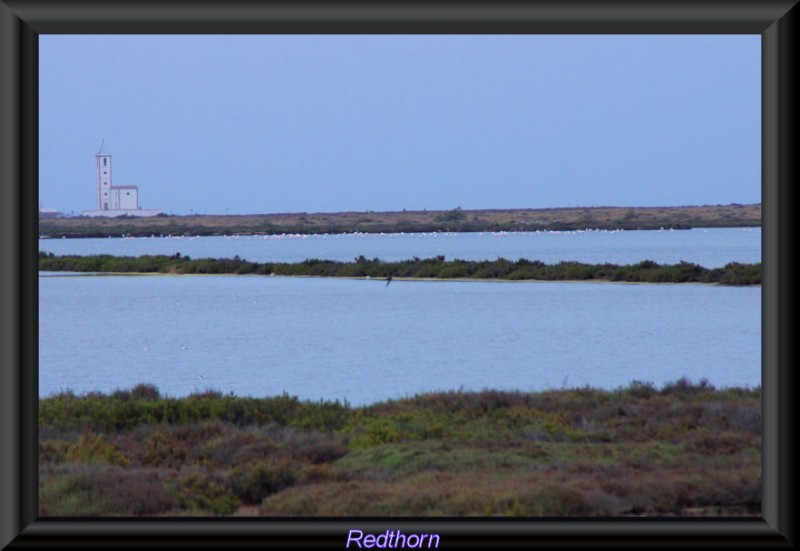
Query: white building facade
<point x="109" y="196"/>
<point x="115" y="200"/>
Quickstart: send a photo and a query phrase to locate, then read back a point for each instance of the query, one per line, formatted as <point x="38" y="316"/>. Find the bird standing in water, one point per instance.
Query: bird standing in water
<point x="388" y="280"/>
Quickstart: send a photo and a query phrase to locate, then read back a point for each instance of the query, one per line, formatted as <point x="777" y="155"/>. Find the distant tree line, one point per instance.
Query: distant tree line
<point x="647" y="271"/>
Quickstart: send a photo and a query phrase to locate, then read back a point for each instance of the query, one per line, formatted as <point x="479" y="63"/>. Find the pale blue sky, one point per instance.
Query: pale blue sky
<point x="259" y="124"/>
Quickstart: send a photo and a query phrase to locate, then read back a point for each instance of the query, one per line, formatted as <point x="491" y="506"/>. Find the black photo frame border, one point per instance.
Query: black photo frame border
<point x="21" y="22"/>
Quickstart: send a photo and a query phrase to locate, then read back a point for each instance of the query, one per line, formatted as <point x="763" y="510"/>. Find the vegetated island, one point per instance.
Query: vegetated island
<point x="455" y="220"/>
<point x="684" y="449"/>
<point x="734" y="273"/>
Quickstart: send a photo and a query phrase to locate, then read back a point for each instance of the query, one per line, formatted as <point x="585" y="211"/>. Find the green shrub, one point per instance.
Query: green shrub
<point x="735" y="273"/>
<point x="454" y="215"/>
<point x="635" y="450"/>
<point x="374" y="432"/>
<point x="173" y="446"/>
<point x="639" y="389"/>
<point x="454" y="270"/>
<point x="255" y="481"/>
<point x="199" y="492"/>
<point x="93" y="448"/>
<point x="72" y="490"/>
<point x="53" y="451"/>
<point x="683" y="387"/>
<point x="645" y="271"/>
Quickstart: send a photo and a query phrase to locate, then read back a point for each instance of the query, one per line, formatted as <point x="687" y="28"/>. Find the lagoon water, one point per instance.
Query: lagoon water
<point x="709" y="247"/>
<point x="364" y="341"/>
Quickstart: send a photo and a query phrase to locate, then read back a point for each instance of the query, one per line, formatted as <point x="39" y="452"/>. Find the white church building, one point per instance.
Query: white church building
<point x="115" y="200"/>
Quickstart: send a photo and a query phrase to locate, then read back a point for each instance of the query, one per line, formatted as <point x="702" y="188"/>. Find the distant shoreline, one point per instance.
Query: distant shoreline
<point x="454" y="220"/>
<point x="409" y="279"/>
<point x="436" y="268"/>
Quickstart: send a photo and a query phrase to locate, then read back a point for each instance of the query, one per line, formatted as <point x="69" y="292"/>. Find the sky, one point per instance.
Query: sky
<point x="246" y="124"/>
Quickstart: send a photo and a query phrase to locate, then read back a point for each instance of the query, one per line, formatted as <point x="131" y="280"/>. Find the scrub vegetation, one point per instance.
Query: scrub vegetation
<point x="647" y="271"/>
<point x="682" y="449"/>
<point x="457" y="219"/>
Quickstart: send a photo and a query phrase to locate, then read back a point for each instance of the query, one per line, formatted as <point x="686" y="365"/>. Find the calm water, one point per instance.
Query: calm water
<point x="364" y="341"/>
<point x="708" y="247"/>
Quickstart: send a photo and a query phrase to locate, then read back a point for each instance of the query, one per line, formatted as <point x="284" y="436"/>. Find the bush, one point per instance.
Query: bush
<point x="141" y="391"/>
<point x="51" y="451"/>
<point x="197" y="491"/>
<point x="454" y="215"/>
<point x="253" y="482"/>
<point x="683" y="387"/>
<point x="735" y="273"/>
<point x="645" y="271"/>
<point x="639" y="389"/>
<point x="93" y="448"/>
<point x="100" y="490"/>
<point x="576" y="451"/>
<point x="454" y="270"/>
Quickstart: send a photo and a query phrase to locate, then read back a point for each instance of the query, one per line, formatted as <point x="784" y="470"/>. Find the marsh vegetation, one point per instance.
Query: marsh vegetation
<point x="734" y="273"/>
<point x="682" y="449"/>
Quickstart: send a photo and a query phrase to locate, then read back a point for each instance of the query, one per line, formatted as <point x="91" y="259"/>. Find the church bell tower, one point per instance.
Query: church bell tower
<point x="103" y="180"/>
